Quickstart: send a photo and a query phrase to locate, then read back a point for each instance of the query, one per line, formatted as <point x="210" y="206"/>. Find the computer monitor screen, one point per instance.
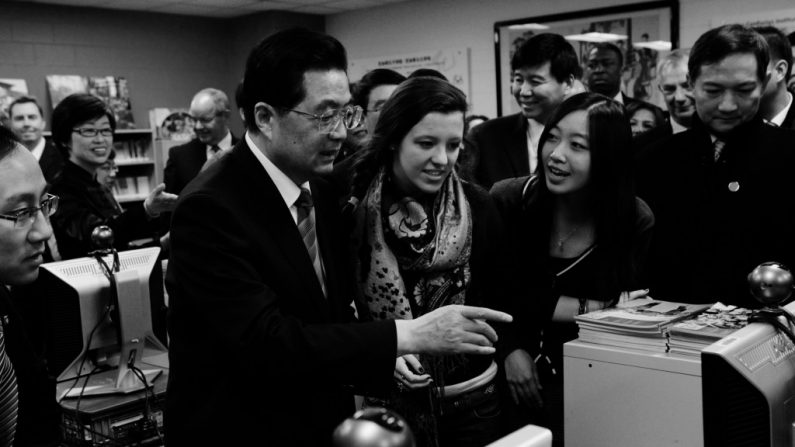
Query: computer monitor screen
<point x="748" y="387"/>
<point x="69" y="304"/>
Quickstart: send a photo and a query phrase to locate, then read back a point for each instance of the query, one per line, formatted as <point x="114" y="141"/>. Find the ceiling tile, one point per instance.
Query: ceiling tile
<point x="317" y="9"/>
<point x="220" y="3"/>
<point x="185" y="8"/>
<point x="351" y="4"/>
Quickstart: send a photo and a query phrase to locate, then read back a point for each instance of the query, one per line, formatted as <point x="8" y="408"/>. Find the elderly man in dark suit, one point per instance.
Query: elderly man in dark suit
<point x="27" y="122"/>
<point x="543" y="72"/>
<point x="264" y="349"/>
<point x="720" y="191"/>
<point x="210" y="111"/>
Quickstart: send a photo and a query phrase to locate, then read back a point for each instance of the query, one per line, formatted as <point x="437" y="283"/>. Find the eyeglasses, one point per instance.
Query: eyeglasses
<point x="25" y="217"/>
<point x="89" y="132"/>
<point x="350" y="116"/>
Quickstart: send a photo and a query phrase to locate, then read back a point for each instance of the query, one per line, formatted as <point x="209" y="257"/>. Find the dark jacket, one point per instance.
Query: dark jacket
<point x="495" y="150"/>
<point x="84" y="205"/>
<point x="258" y="355"/>
<point x="38" y="417"/>
<point x="717" y="221"/>
<point x="184" y="163"/>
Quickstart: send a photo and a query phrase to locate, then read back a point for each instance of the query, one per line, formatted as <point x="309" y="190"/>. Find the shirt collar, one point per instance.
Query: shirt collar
<point x="38" y="149"/>
<point x="619" y="98"/>
<point x="224" y="144"/>
<point x="287" y="188"/>
<point x="779" y="119"/>
<point x="676" y="127"/>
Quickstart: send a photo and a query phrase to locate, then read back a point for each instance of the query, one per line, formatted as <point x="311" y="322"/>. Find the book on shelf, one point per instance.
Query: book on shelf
<point x="690" y="336"/>
<point x="61" y="86"/>
<point x="132" y="150"/>
<point x="114" y="92"/>
<point x="640" y="324"/>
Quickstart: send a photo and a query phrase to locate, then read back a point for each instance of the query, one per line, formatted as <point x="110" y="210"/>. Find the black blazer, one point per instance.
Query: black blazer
<point x="495" y="150"/>
<point x="184" y="163"/>
<point x="258" y="355"/>
<point x="38" y="417"/>
<point x="717" y="221"/>
<point x="51" y="162"/>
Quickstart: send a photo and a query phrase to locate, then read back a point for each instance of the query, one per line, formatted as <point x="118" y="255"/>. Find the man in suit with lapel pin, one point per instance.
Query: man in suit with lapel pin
<point x="720" y="190"/>
<point x="264" y="347"/>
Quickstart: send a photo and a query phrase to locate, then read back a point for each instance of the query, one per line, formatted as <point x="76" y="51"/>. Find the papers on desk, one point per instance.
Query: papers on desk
<point x="689" y="337"/>
<point x="641" y="324"/>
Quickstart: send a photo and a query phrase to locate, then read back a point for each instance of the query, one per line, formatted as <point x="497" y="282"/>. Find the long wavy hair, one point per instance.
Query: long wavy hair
<point x="610" y="189"/>
<point x="408" y="105"/>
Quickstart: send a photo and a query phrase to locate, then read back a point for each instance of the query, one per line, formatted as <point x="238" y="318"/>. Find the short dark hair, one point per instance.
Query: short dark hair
<point x="73" y="111"/>
<point x="371" y="80"/>
<point x="717" y="43"/>
<point x="777" y="42"/>
<point x="607" y="46"/>
<point x="24" y="100"/>
<point x="8" y="142"/>
<point x="407" y="106"/>
<point x="427" y="72"/>
<point x="552" y="48"/>
<point x="275" y="68"/>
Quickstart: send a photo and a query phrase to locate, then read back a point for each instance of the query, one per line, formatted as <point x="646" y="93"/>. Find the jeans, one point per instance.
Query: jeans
<point x="472" y="419"/>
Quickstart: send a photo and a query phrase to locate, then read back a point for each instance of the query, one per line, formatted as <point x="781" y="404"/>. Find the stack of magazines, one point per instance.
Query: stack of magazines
<point x="639" y="324"/>
<point x="689" y="337"/>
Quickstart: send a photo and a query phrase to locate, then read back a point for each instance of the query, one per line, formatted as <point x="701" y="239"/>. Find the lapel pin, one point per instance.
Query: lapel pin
<point x="734" y="186"/>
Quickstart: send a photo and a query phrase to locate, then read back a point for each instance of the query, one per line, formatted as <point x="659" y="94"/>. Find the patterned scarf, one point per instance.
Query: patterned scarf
<point x="409" y="261"/>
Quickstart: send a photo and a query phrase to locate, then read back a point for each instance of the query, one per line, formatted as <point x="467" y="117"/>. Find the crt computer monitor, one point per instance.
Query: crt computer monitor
<point x="748" y="388"/>
<point x="70" y="299"/>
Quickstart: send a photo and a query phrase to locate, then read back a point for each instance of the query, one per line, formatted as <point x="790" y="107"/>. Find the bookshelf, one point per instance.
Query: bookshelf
<point x="135" y="157"/>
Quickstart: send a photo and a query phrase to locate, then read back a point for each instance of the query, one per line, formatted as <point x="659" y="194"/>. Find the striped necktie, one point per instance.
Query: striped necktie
<point x="717" y="148"/>
<point x="8" y="395"/>
<point x="306" y="227"/>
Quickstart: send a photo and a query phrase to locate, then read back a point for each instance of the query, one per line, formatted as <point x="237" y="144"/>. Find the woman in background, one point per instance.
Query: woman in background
<point x="644" y="117"/>
<point x="580" y="236"/>
<point x="82" y="129"/>
<point x="425" y="239"/>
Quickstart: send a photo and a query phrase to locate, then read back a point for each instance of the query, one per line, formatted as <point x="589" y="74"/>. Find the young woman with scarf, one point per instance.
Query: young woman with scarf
<point x="580" y="237"/>
<point x="423" y="238"/>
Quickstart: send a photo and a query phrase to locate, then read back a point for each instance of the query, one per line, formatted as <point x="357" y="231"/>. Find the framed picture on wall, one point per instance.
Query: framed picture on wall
<point x="643" y="32"/>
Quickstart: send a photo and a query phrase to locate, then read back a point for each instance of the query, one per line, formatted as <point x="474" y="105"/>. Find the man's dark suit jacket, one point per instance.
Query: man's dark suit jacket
<point x="497" y="149"/>
<point x="258" y="355"/>
<point x="38" y="417"/>
<point x="717" y="221"/>
<point x="51" y="162"/>
<point x="789" y="119"/>
<point x="184" y="163"/>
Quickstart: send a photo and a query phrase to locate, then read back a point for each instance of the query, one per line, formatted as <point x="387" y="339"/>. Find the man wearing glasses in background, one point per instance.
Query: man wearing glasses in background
<point x="210" y="111"/>
<point x="264" y="347"/>
<point x="29" y="414"/>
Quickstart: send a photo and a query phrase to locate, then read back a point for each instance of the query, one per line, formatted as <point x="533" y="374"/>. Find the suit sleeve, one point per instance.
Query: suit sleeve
<point x="170" y="177"/>
<point x="219" y="291"/>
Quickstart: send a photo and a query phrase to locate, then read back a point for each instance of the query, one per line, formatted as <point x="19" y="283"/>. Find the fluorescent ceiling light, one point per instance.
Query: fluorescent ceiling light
<point x="596" y="37"/>
<point x="656" y="45"/>
<point x="528" y="26"/>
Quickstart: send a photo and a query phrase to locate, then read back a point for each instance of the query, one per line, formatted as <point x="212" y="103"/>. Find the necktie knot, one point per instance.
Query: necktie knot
<point x="215" y="148"/>
<point x="304" y="199"/>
